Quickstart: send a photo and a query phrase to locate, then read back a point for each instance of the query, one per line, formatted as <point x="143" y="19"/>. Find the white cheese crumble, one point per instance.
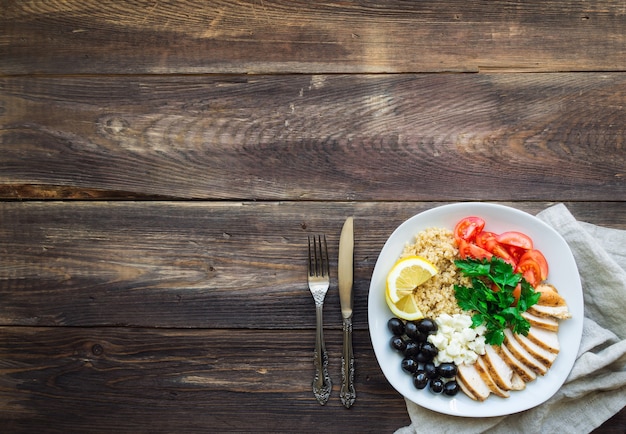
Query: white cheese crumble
<point x="456" y="341"/>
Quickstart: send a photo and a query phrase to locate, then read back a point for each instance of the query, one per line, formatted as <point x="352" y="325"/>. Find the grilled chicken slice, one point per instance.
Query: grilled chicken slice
<point x="472" y="380"/>
<point x="549" y="296"/>
<point x="542" y="355"/>
<point x="559" y="312"/>
<point x="465" y="389"/>
<point x="522" y="354"/>
<point x="524" y="372"/>
<point x="546" y="339"/>
<point x="489" y="381"/>
<point x="498" y="369"/>
<point x="517" y="382"/>
<point x="544" y="322"/>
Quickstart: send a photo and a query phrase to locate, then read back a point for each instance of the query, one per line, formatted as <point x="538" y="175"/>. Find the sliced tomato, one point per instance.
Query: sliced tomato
<point x="515" y="252"/>
<point x="516" y="239"/>
<point x="467" y="249"/>
<point x="468" y="228"/>
<point x="537" y="257"/>
<point x="517" y="292"/>
<point x="486" y="240"/>
<point x="502" y="253"/>
<point x="531" y="271"/>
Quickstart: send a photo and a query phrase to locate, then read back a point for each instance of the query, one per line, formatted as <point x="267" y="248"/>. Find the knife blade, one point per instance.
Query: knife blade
<point x="345" y="277"/>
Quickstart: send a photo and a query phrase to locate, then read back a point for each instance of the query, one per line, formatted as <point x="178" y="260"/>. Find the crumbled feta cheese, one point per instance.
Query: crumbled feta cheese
<point x="456" y="341"/>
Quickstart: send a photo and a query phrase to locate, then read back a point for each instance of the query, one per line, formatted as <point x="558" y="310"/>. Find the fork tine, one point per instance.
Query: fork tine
<point x="319" y="264"/>
<point x="319" y="258"/>
<point x="325" y="260"/>
<point x="310" y="263"/>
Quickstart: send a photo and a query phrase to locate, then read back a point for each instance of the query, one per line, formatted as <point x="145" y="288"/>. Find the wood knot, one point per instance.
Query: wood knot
<point x="112" y="126"/>
<point x="97" y="350"/>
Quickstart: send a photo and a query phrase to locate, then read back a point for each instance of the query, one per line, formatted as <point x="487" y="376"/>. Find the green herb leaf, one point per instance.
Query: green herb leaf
<point x="491" y="297"/>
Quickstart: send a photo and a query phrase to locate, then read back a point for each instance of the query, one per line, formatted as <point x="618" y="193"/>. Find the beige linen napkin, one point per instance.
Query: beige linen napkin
<point x="596" y="388"/>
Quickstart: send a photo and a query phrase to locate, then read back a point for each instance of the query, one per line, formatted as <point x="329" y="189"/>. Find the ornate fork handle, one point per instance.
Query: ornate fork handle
<point x="321" y="383"/>
<point x="347" y="394"/>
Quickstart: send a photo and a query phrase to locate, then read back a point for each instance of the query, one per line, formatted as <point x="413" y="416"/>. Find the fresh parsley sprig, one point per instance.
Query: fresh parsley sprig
<point x="491" y="298"/>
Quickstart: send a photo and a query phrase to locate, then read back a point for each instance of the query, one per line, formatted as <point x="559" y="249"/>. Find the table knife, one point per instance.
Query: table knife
<point x="345" y="277"/>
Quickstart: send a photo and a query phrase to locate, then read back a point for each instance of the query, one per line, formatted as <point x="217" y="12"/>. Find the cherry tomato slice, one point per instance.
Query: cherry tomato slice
<point x="468" y="228"/>
<point x="486" y="240"/>
<point x="517" y="292"/>
<point x="515" y="252"/>
<point x="531" y="272"/>
<point x="537" y="257"/>
<point x="502" y="253"/>
<point x="471" y="250"/>
<point x="516" y="239"/>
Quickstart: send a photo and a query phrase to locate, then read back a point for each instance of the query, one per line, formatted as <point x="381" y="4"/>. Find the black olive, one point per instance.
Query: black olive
<point x="423" y="357"/>
<point x="412" y="332"/>
<point x="396" y="326"/>
<point x="429" y="350"/>
<point x="436" y="385"/>
<point x="451" y="388"/>
<point x="420" y="380"/>
<point x="398" y="344"/>
<point x="430" y="369"/>
<point x="409" y="365"/>
<point x="412" y="348"/>
<point x="427" y="326"/>
<point x="447" y="370"/>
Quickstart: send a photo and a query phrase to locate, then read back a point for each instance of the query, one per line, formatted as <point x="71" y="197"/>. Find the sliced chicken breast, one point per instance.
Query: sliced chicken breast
<point x="558" y="312"/>
<point x="517" y="382"/>
<point x="489" y="381"/>
<point x="465" y="389"/>
<point x="550" y="296"/>
<point x="548" y="323"/>
<point x="544" y="356"/>
<point x="498" y="368"/>
<point x="523" y="371"/>
<point x="546" y="339"/>
<point x="522" y="354"/>
<point x="470" y="376"/>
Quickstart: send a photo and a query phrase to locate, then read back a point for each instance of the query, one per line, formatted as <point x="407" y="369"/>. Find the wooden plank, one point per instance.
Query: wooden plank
<point x="126" y="380"/>
<point x="318" y="137"/>
<point x="374" y="36"/>
<point x="98" y="380"/>
<point x="194" y="264"/>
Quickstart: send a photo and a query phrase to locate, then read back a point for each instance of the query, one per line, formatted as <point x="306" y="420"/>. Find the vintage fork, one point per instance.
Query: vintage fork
<point x="319" y="281"/>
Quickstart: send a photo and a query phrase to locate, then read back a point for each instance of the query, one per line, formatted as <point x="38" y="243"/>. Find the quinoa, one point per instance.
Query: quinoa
<point x="436" y="295"/>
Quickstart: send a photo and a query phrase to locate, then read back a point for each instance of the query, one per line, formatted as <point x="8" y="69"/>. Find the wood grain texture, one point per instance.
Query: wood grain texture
<point x="127" y="307"/>
<point x="318" y="137"/>
<point x="98" y="380"/>
<point x="194" y="264"/>
<point x="190" y="37"/>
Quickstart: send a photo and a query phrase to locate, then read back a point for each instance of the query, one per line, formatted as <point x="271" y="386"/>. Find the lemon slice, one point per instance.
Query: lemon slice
<point x="406" y="308"/>
<point x="406" y="275"/>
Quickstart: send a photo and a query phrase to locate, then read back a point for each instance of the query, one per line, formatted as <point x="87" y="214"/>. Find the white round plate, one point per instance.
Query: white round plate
<point x="563" y="274"/>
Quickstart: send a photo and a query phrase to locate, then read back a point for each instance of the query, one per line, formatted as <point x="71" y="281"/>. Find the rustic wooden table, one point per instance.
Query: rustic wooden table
<point x="162" y="162"/>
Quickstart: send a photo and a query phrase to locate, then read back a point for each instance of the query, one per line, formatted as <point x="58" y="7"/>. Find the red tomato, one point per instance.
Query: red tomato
<point x="468" y="228"/>
<point x="486" y="240"/>
<point x="471" y="250"/>
<point x="515" y="252"/>
<point x="517" y="292"/>
<point x="537" y="257"/>
<point x="502" y="253"/>
<point x="516" y="239"/>
<point x="531" y="272"/>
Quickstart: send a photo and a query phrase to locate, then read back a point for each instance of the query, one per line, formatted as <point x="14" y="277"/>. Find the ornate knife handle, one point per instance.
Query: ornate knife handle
<point x="347" y="394"/>
<point x="321" y="383"/>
